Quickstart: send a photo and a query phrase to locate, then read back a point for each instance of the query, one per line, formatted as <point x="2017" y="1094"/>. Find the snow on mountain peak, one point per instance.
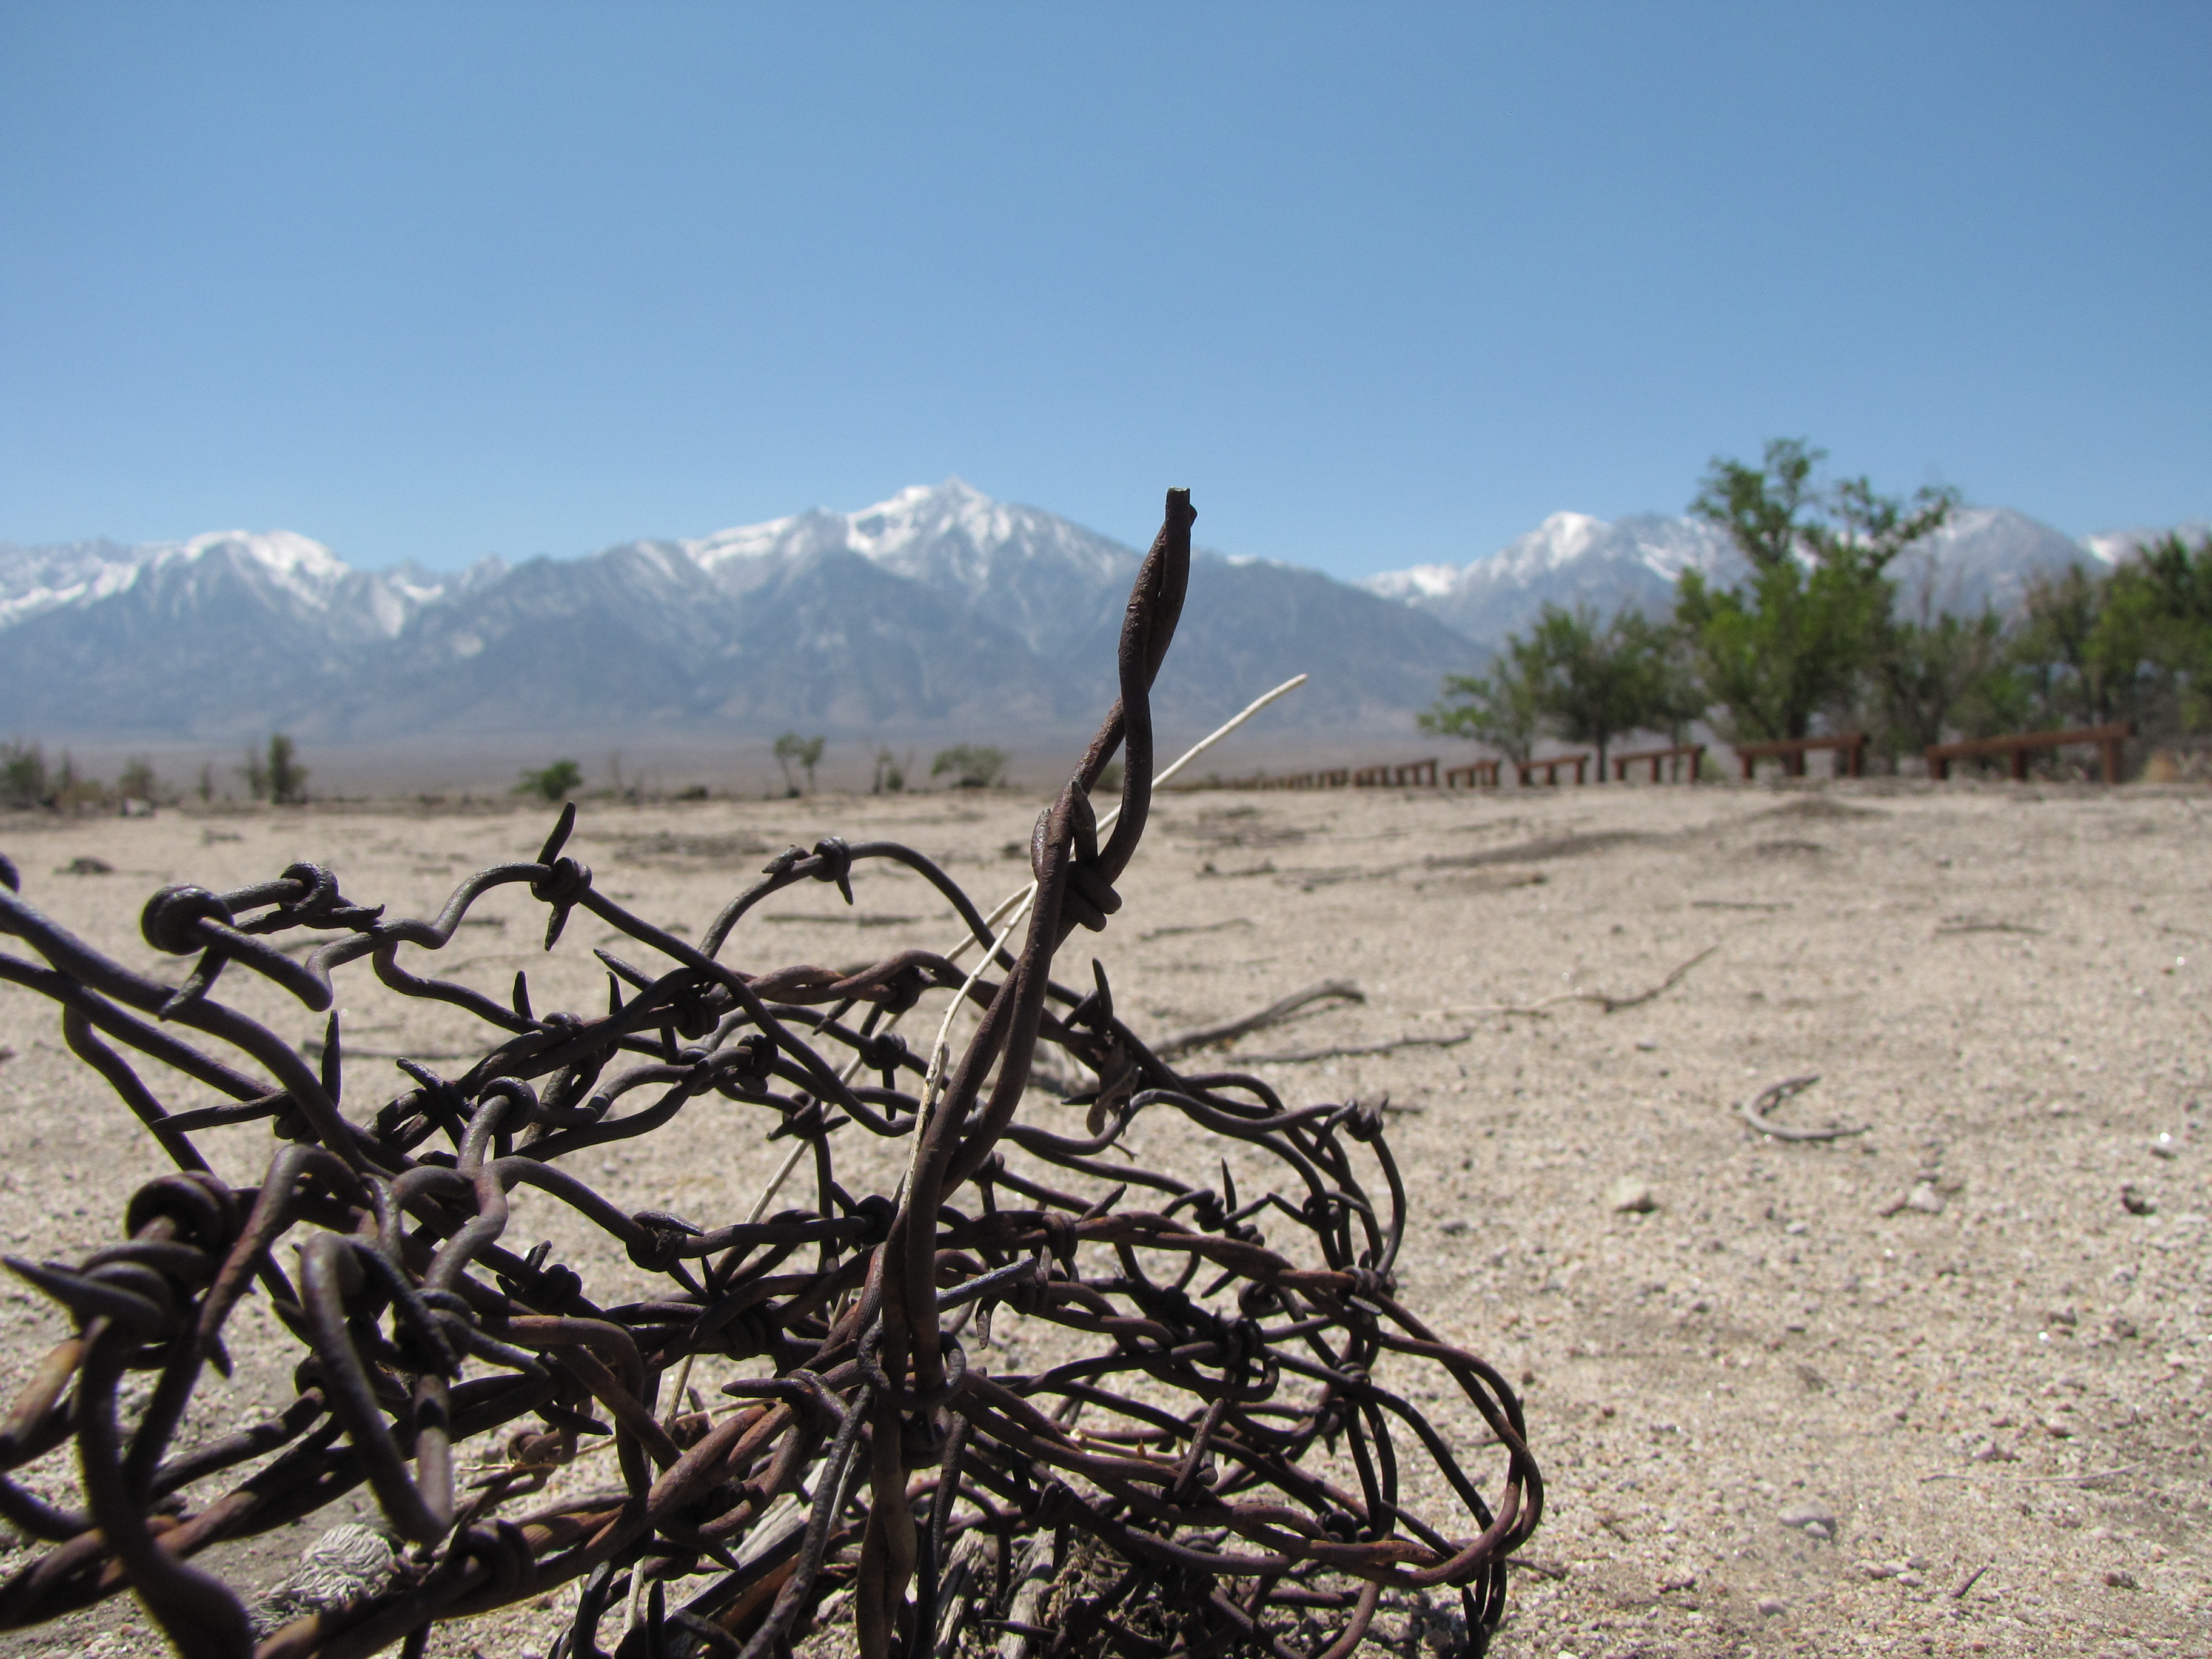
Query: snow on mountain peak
<point x="1563" y="553"/>
<point x="304" y="567"/>
<point x="946" y="532"/>
<point x="2110" y="547"/>
<point x="1426" y="581"/>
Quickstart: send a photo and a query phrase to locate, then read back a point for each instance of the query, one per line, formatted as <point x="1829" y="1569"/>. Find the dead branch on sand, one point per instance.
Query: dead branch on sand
<point x="1611" y="1004"/>
<point x="1273" y="1014"/>
<point x="1754" y="1112"/>
<point x="1304" y="1056"/>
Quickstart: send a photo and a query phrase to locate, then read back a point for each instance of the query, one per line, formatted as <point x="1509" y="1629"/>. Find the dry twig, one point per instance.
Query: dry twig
<point x="1305" y="1056"/>
<point x="1754" y="1112"/>
<point x="1611" y="1004"/>
<point x="1275" y="1014"/>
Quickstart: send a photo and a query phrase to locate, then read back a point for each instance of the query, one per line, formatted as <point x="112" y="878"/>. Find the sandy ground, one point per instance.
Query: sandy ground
<point x="1950" y="1345"/>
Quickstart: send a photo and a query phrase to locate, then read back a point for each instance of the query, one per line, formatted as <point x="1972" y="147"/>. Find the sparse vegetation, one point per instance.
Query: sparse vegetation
<point x="2134" y="643"/>
<point x="1499" y="709"/>
<point x="23" y="781"/>
<point x="552" y="784"/>
<point x="793" y="750"/>
<point x="1574" y="676"/>
<point x="973" y="766"/>
<point x="1814" y="637"/>
<point x="890" y="772"/>
<point x="140" y="782"/>
<point x="276" y="775"/>
<point x="288" y="778"/>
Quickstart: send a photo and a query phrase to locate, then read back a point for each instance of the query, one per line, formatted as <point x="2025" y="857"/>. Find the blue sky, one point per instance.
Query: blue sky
<point x="1383" y="285"/>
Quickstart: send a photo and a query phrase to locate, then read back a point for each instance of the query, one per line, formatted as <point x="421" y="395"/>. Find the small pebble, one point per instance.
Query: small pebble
<point x="1771" y="1607"/>
<point x="1806" y="1517"/>
<point x="1925" y="1199"/>
<point x="2136" y="1203"/>
<point x="1630" y="1196"/>
<point x="2165" y="1146"/>
<point x="1649" y="1045"/>
<point x="2120" y="1578"/>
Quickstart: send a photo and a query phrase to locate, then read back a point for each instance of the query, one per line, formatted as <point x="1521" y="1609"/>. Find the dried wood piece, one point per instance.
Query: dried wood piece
<point x="1338" y="990"/>
<point x="1754" y="1111"/>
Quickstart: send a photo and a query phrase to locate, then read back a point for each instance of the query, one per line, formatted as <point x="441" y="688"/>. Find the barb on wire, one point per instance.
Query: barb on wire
<point x="1212" y="1454"/>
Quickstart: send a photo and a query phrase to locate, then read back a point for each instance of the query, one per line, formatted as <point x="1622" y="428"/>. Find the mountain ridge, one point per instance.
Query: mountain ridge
<point x="1983" y="556"/>
<point x="939" y="607"/>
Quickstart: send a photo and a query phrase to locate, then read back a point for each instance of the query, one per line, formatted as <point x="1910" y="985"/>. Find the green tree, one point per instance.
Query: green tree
<point x="23" y="780"/>
<point x="1597" y="681"/>
<point x="792" y="750"/>
<point x="2054" y="655"/>
<point x="1941" y="673"/>
<point x="552" y="784"/>
<point x="1574" y="676"/>
<point x="1500" y="708"/>
<point x="2134" y="643"/>
<point x="973" y="766"/>
<point x="1799" y="637"/>
<point x="2167" y="590"/>
<point x="287" y="778"/>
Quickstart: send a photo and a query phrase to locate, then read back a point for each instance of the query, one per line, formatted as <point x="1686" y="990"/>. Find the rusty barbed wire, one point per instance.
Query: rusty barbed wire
<point x="1219" y="1469"/>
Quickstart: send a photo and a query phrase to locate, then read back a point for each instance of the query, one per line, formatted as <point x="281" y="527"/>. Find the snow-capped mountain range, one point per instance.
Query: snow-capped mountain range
<point x="937" y="609"/>
<point x="1983" y="556"/>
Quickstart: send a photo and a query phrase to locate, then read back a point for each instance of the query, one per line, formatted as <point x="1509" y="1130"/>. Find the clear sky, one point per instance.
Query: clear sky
<point x="1383" y="285"/>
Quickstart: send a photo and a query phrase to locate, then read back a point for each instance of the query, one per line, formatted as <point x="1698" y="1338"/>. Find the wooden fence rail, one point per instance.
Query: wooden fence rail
<point x="2016" y="746"/>
<point x="1549" y="765"/>
<point x="1395" y="775"/>
<point x="1692" y="752"/>
<point x="1409" y="774"/>
<point x="1849" y="747"/>
<point x="1475" y="774"/>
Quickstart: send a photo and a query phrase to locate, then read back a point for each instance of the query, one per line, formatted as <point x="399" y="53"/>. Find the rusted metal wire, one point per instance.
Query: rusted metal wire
<point x="1223" y="1450"/>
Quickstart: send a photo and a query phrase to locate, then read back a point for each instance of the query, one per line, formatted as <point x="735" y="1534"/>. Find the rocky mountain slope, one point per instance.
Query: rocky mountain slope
<point x="939" y="608"/>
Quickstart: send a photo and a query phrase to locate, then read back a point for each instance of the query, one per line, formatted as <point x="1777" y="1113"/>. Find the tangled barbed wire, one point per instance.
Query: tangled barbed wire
<point x="1217" y="1469"/>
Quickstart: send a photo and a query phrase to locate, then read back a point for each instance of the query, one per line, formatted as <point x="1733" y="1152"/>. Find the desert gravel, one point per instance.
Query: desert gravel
<point x="1939" y="1387"/>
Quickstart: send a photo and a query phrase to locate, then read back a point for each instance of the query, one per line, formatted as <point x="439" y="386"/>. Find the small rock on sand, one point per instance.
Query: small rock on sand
<point x="1630" y="1196"/>
<point x="1811" y="1520"/>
